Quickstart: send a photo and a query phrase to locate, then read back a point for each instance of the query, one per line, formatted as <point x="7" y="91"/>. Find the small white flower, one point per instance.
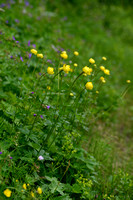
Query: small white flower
<point x="40" y="158"/>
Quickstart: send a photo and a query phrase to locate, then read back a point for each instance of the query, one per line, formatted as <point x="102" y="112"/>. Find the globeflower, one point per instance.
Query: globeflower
<point x="87" y="70"/>
<point x="64" y="55"/>
<point x="89" y="86"/>
<point x="76" y="53"/>
<point x="91" y="60"/>
<point x="50" y="70"/>
<point x="66" y="68"/>
<point x="107" y="72"/>
<point x="33" y="51"/>
<point x="40" y="55"/>
<point x="102" y="79"/>
<point x="104" y="58"/>
<point x="75" y="64"/>
<point x="7" y="192"/>
<point x="39" y="190"/>
<point x="102" y="68"/>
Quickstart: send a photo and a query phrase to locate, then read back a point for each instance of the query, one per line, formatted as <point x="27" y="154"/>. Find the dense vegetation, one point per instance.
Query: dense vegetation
<point x="65" y="100"/>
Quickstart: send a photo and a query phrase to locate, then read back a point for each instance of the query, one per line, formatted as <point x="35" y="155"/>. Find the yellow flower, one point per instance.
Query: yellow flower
<point x="89" y="86"/>
<point x="104" y="58"/>
<point x="75" y="64"/>
<point x="102" y="79"/>
<point x="24" y="186"/>
<point x="50" y="70"/>
<point x="71" y="94"/>
<point x="87" y="70"/>
<point x="39" y="190"/>
<point x="40" y="55"/>
<point x="33" y="51"/>
<point x="7" y="192"/>
<point x="28" y="184"/>
<point x="76" y="53"/>
<point x="97" y="92"/>
<point x="16" y="181"/>
<point x="107" y="72"/>
<point x="32" y="194"/>
<point x="48" y="87"/>
<point x="91" y="60"/>
<point x="102" y="68"/>
<point x="64" y="55"/>
<point x="95" y="65"/>
<point x="66" y="68"/>
<point x="128" y="81"/>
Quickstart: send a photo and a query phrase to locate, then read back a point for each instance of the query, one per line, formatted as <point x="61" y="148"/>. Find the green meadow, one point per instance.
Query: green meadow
<point x="66" y="112"/>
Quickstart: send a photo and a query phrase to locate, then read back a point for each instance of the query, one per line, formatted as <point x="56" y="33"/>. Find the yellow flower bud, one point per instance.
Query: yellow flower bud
<point x="7" y="192"/>
<point x="89" y="86"/>
<point x="71" y="94"/>
<point x="107" y="72"/>
<point x="40" y="55"/>
<point x="39" y="190"/>
<point x="104" y="58"/>
<point x="102" y="68"/>
<point x="97" y="92"/>
<point x="33" y="51"/>
<point x="76" y="53"/>
<point x="91" y="60"/>
<point x="75" y="64"/>
<point x="102" y="79"/>
<point x="128" y="81"/>
<point x="24" y="186"/>
<point x="50" y="70"/>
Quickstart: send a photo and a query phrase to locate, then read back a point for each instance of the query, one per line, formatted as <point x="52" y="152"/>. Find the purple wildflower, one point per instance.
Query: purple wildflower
<point x="30" y="54"/>
<point x="7" y="21"/>
<point x="28" y="43"/>
<point x="34" y="45"/>
<point x="13" y="38"/>
<point x="41" y="116"/>
<point x="40" y="158"/>
<point x="48" y="107"/>
<point x="10" y="157"/>
<point x="0" y="152"/>
<point x="16" y="20"/>
<point x="21" y="59"/>
<point x="11" y="57"/>
<point x="32" y="93"/>
<point x="40" y="73"/>
<point x="2" y="5"/>
<point x="35" y="115"/>
<point x="49" y="61"/>
<point x="17" y="41"/>
<point x="27" y="3"/>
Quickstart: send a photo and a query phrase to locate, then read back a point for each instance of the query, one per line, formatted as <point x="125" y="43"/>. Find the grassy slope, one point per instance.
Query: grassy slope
<point x="94" y="30"/>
